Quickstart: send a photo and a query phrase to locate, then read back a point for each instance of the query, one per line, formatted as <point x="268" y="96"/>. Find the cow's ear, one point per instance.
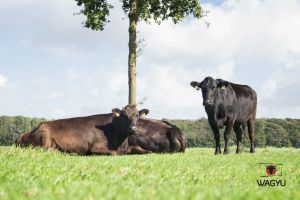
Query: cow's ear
<point x="222" y="84"/>
<point x="144" y="112"/>
<point x="116" y="112"/>
<point x="195" y="85"/>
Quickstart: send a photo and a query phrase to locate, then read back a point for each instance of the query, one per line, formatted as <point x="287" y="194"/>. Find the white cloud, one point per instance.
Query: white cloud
<point x="280" y="94"/>
<point x="57" y="113"/>
<point x="75" y="71"/>
<point x="269" y="88"/>
<point x="249" y="42"/>
<point x="3" y="80"/>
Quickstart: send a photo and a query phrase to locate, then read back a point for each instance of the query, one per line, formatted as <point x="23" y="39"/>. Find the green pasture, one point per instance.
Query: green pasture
<point x="195" y="174"/>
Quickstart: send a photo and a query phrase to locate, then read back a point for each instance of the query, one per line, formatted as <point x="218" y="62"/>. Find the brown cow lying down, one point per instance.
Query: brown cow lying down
<point x="157" y="137"/>
<point x="107" y="134"/>
<point x="98" y="134"/>
<point x="151" y="135"/>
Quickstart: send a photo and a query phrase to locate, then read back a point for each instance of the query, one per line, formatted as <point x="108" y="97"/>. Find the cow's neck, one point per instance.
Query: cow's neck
<point x="120" y="134"/>
<point x="216" y="110"/>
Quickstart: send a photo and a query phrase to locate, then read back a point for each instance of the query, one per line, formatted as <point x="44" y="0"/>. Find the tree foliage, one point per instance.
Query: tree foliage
<point x="97" y="11"/>
<point x="11" y="127"/>
<point x="160" y="10"/>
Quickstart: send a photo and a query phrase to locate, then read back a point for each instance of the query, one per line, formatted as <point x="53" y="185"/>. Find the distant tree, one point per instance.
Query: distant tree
<point x="97" y="11"/>
<point x="293" y="128"/>
<point x="276" y="136"/>
<point x="11" y="127"/>
<point x="259" y="134"/>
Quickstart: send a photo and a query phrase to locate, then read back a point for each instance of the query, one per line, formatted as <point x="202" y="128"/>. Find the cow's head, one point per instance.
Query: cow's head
<point x="129" y="116"/>
<point x="209" y="87"/>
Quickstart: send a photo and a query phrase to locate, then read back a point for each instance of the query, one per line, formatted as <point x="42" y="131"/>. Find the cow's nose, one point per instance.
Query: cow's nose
<point x="132" y="129"/>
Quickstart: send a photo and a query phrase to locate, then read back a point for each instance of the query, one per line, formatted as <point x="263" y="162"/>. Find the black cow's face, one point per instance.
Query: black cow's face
<point x="129" y="116"/>
<point x="208" y="88"/>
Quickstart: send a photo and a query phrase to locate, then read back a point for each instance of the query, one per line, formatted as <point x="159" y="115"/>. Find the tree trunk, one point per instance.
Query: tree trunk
<point x="132" y="52"/>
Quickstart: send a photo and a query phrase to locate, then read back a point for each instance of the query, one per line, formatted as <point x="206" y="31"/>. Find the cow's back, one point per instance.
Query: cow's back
<point x="157" y="136"/>
<point x="246" y="102"/>
<point x="75" y="135"/>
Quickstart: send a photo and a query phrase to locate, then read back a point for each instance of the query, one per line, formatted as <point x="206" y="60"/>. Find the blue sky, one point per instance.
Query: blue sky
<point x="215" y="2"/>
<point x="50" y="66"/>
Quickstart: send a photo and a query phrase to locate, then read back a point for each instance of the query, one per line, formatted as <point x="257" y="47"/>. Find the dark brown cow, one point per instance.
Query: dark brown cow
<point x="157" y="136"/>
<point x="101" y="134"/>
<point x="151" y="135"/>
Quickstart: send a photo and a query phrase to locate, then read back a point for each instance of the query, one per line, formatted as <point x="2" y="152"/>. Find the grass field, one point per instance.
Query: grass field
<point x="196" y="174"/>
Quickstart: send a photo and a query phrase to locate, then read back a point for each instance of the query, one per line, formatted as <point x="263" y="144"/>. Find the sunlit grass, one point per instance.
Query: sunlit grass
<point x="196" y="174"/>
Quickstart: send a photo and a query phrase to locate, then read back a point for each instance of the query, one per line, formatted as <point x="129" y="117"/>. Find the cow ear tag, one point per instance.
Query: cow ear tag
<point x="223" y="87"/>
<point x="117" y="114"/>
<point x="143" y="115"/>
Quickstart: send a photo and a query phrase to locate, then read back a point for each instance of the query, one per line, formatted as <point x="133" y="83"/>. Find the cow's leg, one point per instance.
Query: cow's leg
<point x="216" y="133"/>
<point x="137" y="150"/>
<point x="44" y="136"/>
<point x="227" y="134"/>
<point x="238" y="131"/>
<point x="104" y="152"/>
<point x="47" y="143"/>
<point x="251" y="127"/>
<point x="100" y="150"/>
<point x="217" y="139"/>
<point x="175" y="144"/>
<point x="218" y="144"/>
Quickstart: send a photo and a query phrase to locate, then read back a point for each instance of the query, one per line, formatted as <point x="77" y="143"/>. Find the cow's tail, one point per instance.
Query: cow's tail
<point x="244" y="130"/>
<point x="179" y="135"/>
<point x="183" y="142"/>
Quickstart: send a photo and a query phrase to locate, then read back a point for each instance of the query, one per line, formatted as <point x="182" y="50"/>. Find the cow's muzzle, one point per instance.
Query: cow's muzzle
<point x="132" y="129"/>
<point x="207" y="102"/>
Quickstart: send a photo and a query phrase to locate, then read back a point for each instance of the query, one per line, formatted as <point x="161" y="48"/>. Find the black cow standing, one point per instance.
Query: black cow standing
<point x="231" y="105"/>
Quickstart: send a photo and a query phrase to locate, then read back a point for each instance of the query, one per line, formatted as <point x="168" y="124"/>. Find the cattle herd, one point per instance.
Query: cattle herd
<point x="127" y="131"/>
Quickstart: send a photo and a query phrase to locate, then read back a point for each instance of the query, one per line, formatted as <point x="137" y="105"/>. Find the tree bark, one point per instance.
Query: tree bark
<point x="132" y="52"/>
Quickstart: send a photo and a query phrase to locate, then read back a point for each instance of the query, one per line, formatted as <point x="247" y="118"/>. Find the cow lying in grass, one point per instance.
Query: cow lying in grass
<point x="157" y="136"/>
<point x="106" y="134"/>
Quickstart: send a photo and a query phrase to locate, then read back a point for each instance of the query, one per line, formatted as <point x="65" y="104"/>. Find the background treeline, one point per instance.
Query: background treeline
<point x="269" y="132"/>
<point x="11" y="127"/>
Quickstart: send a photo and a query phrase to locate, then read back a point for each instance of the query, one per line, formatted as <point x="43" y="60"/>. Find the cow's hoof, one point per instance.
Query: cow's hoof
<point x="217" y="152"/>
<point x="252" y="151"/>
<point x="226" y="152"/>
<point x="238" y="151"/>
